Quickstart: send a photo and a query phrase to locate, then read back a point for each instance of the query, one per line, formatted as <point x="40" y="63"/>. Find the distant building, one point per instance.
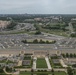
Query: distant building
<point x="73" y="20"/>
<point x="38" y="19"/>
<point x="3" y="24"/>
<point x="26" y="26"/>
<point x="55" y="20"/>
<point x="29" y="20"/>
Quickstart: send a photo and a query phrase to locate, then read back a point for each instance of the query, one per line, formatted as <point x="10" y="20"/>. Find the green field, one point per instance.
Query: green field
<point x="53" y="31"/>
<point x="25" y="73"/>
<point x="41" y="29"/>
<point x="74" y="72"/>
<point x="3" y="61"/>
<point x="60" y="73"/>
<point x="3" y="74"/>
<point x="41" y="63"/>
<point x="42" y="73"/>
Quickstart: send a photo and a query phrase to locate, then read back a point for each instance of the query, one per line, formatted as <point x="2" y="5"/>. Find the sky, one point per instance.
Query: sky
<point x="38" y="6"/>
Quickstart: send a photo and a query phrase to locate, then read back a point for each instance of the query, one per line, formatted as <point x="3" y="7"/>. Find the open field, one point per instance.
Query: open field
<point x="56" y="32"/>
<point x="25" y="73"/>
<point x="51" y="31"/>
<point x="41" y="63"/>
<point x="43" y="73"/>
<point x="3" y="74"/>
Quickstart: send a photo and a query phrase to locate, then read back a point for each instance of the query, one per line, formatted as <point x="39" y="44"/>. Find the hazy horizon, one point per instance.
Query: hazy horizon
<point x="37" y="6"/>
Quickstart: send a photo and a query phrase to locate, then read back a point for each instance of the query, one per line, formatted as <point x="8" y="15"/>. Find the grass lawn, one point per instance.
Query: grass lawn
<point x="3" y="74"/>
<point x="9" y="62"/>
<point x="14" y="32"/>
<point x="27" y="58"/>
<point x="42" y="73"/>
<point x="25" y="73"/>
<point x="60" y="73"/>
<point x="3" y="61"/>
<point x="56" y="73"/>
<point x="23" y="67"/>
<point x="74" y="73"/>
<point x="56" y="32"/>
<point x="41" y="63"/>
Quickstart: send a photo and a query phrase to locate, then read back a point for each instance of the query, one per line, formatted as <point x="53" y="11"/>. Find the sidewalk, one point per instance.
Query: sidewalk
<point x="34" y="63"/>
<point x="48" y="63"/>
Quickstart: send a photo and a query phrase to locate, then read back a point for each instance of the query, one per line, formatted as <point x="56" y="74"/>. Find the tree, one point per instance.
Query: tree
<point x="47" y="42"/>
<point x="38" y="32"/>
<point x="70" y="71"/>
<point x="74" y="65"/>
<point x="73" y="34"/>
<point x="36" y="26"/>
<point x="54" y="41"/>
<point x="74" y="55"/>
<point x="1" y="69"/>
<point x="53" y="74"/>
<point x="41" y="41"/>
<point x="63" y="55"/>
<point x="32" y="70"/>
<point x="8" y="69"/>
<point x="52" y="71"/>
<point x="24" y="41"/>
<point x="71" y="55"/>
<point x="35" y="41"/>
<point x="67" y="55"/>
<point x="11" y="25"/>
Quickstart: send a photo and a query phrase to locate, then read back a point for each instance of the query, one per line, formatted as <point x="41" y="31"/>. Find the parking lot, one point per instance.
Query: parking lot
<point x="67" y="43"/>
<point x="13" y="41"/>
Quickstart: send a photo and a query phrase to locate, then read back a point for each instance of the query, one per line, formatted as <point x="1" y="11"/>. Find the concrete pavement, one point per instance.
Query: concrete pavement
<point x="48" y="63"/>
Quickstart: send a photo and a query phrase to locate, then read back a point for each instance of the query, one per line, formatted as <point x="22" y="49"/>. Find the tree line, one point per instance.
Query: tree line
<point x="36" y="41"/>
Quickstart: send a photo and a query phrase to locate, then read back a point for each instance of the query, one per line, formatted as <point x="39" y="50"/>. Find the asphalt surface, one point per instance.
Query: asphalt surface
<point x="13" y="41"/>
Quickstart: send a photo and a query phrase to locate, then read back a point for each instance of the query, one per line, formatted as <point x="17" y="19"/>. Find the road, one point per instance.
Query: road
<point x="71" y="27"/>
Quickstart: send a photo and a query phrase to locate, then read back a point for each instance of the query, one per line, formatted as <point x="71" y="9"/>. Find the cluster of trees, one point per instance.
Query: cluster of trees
<point x="1" y="69"/>
<point x="42" y="70"/>
<point x="56" y="26"/>
<point x="54" y="57"/>
<point x="70" y="71"/>
<point x="27" y="57"/>
<point x="74" y="65"/>
<point x="39" y="42"/>
<point x="67" y="55"/>
<point x="37" y="33"/>
<point x="3" y="18"/>
<point x="8" y="69"/>
<point x="37" y="27"/>
<point x="12" y="25"/>
<point x="73" y="35"/>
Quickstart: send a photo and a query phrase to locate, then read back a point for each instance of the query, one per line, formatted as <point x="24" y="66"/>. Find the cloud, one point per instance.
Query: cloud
<point x="38" y="6"/>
